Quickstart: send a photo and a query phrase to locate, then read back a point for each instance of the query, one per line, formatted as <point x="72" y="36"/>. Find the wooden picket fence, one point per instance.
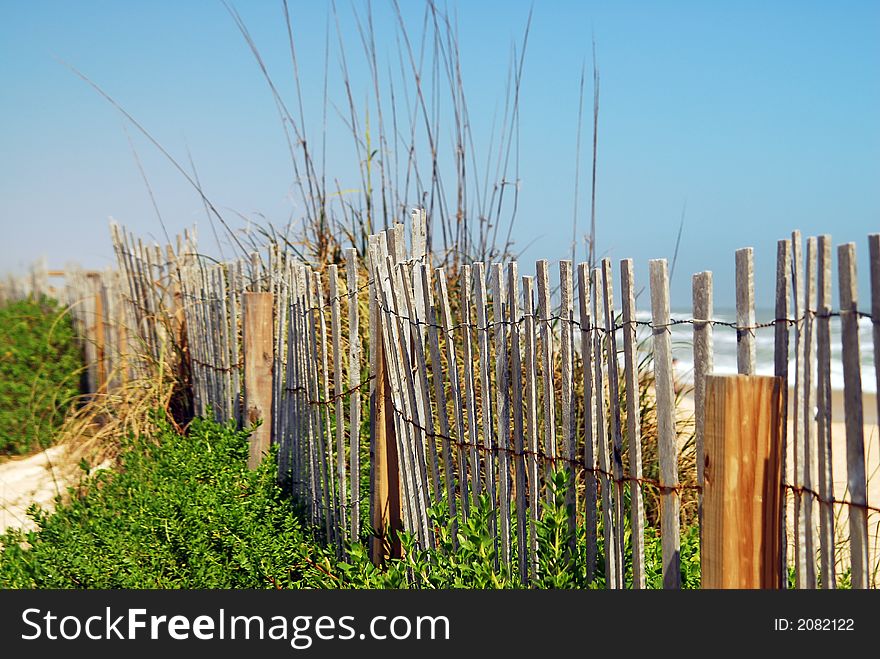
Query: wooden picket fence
<point x="391" y="386"/>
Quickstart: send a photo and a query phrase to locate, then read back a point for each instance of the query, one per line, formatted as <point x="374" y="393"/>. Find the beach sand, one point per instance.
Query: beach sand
<point x="839" y="474"/>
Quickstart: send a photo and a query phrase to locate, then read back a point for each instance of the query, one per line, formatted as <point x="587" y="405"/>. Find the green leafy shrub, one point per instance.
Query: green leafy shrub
<point x="39" y="373"/>
<point x="182" y="512"/>
<point x="473" y="560"/>
<point x="185" y="512"/>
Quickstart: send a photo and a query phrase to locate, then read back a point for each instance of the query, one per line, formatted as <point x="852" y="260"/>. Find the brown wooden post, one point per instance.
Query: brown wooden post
<point x="386" y="474"/>
<point x="258" y="362"/>
<point x="742" y="493"/>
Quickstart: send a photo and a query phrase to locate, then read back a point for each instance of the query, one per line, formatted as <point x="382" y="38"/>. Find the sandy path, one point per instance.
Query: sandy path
<point x="34" y="479"/>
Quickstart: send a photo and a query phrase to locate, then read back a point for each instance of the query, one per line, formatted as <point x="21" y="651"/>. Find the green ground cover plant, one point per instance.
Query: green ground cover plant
<point x="40" y="364"/>
<point x="185" y="512"/>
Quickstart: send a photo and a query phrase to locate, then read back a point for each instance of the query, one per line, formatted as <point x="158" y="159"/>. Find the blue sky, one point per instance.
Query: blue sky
<point x="758" y="117"/>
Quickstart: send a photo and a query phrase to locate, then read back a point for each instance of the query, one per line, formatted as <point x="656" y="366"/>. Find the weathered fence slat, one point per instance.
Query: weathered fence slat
<point x="519" y="466"/>
<point x="414" y="310"/>
<point x="745" y="311"/>
<point x="546" y="336"/>
<point x="609" y="531"/>
<point x="336" y="339"/>
<point x="469" y="383"/>
<point x="324" y="397"/>
<point x="780" y="370"/>
<point x="568" y="403"/>
<point x="410" y="500"/>
<point x="823" y="415"/>
<point x="502" y="403"/>
<point x="616" y="430"/>
<point x="591" y="483"/>
<point x="670" y="502"/>
<point x="354" y="386"/>
<point x="852" y="394"/>
<point x="633" y="421"/>
<point x="319" y="427"/>
<point x="797" y="284"/>
<point x="485" y="390"/>
<point x="455" y="392"/>
<point x="704" y="357"/>
<point x="809" y="404"/>
<point x="437" y="372"/>
<point x="411" y="421"/>
<point x="531" y="417"/>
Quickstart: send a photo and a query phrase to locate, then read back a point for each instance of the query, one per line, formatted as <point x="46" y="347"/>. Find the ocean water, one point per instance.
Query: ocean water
<point x="724" y="339"/>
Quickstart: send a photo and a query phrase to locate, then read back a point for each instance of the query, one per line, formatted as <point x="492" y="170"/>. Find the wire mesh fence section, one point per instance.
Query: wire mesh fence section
<point x="493" y="381"/>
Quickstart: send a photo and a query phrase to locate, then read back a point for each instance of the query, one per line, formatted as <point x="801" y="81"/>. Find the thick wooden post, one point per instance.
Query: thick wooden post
<point x="258" y="363"/>
<point x="742" y="493"/>
<point x="386" y="474"/>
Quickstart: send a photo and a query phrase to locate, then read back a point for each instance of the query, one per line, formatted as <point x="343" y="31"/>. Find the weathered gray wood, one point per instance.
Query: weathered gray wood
<point x="823" y="415"/>
<point x="609" y="530"/>
<point x="469" y="384"/>
<point x="810" y="471"/>
<point x="546" y="336"/>
<point x="295" y="385"/>
<point x="670" y="502"/>
<point x="234" y="306"/>
<point x="336" y="339"/>
<point x="502" y="403"/>
<point x="399" y="238"/>
<point x="455" y="391"/>
<point x="852" y="393"/>
<point x="419" y="233"/>
<point x="354" y="385"/>
<point x="780" y="369"/>
<point x="519" y="465"/>
<point x="392" y="345"/>
<point x="374" y="341"/>
<point x="415" y="310"/>
<point x="591" y="483"/>
<point x="633" y="421"/>
<point x="704" y="358"/>
<point x="531" y="416"/>
<point x="616" y="430"/>
<point x="412" y="380"/>
<point x="485" y="391"/>
<point x="316" y="431"/>
<point x="226" y="340"/>
<point x="745" y="311"/>
<point x="323" y="375"/>
<point x="279" y="290"/>
<point x="567" y="403"/>
<point x="797" y="283"/>
<point x="413" y="416"/>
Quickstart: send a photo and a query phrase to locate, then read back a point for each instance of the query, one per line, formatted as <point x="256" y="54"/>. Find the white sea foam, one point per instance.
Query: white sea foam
<point x="725" y="343"/>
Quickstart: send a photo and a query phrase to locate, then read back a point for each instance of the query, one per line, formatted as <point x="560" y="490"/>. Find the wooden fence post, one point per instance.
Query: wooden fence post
<point x="258" y="363"/>
<point x="385" y="492"/>
<point x="742" y="494"/>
